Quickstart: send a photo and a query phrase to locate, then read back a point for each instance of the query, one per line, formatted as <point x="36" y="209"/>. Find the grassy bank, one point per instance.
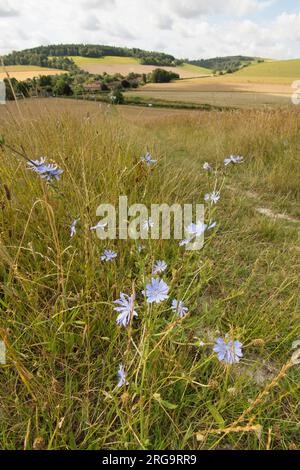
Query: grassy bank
<point x="58" y="388"/>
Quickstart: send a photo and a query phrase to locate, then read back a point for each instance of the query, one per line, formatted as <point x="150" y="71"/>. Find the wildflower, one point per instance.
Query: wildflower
<point x="159" y="267"/>
<point x="234" y="159"/>
<point x="228" y="351"/>
<point x="156" y="291"/>
<point x="193" y="230"/>
<point x="100" y="225"/>
<point x="47" y="171"/>
<point x="148" y="159"/>
<point x="122" y="376"/>
<point x="184" y="242"/>
<point x="33" y="164"/>
<point x="197" y="229"/>
<point x="126" y="309"/>
<point x="296" y="355"/>
<point x="179" y="307"/>
<point x="213" y="197"/>
<point x="108" y="255"/>
<point x="148" y="224"/>
<point x="211" y="225"/>
<point x="140" y="248"/>
<point x="73" y="228"/>
<point x="207" y="167"/>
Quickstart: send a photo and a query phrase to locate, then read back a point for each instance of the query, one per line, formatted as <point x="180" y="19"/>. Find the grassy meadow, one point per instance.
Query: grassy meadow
<point x="58" y="388"/>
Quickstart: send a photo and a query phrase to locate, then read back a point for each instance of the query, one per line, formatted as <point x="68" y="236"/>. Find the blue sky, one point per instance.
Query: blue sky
<point x="185" y="28"/>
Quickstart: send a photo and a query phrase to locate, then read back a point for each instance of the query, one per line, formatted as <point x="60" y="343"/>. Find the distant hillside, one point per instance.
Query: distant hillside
<point x="126" y="65"/>
<point x="226" y="64"/>
<point x="58" y="54"/>
<point x="277" y="71"/>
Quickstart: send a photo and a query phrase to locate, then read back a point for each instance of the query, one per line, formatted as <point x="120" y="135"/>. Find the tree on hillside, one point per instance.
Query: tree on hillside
<point x="163" y="76"/>
<point x="62" y="87"/>
<point x="117" y="97"/>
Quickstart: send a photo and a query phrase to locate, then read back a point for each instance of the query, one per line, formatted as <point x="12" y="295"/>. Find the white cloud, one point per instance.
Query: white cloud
<point x="91" y="23"/>
<point x="99" y="4"/>
<point x="6" y="10"/>
<point x="190" y="28"/>
<point x="164" y="22"/>
<point x="194" y="8"/>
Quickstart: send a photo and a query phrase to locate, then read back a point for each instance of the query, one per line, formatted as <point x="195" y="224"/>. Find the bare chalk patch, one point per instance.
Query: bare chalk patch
<point x="2" y="353"/>
<point x="276" y="215"/>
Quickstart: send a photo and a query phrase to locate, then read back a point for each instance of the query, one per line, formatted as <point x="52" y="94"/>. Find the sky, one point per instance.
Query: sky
<point x="191" y="29"/>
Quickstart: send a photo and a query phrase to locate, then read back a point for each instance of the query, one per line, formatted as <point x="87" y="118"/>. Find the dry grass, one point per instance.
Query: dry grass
<point x="58" y="388"/>
<point x="219" y="91"/>
<point x="23" y="72"/>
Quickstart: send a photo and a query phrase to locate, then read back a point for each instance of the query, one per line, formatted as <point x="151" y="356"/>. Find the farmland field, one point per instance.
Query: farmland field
<point x="264" y="84"/>
<point x="126" y="65"/>
<point x="277" y="72"/>
<point x="59" y="387"/>
<point x="218" y="91"/>
<point x="22" y="72"/>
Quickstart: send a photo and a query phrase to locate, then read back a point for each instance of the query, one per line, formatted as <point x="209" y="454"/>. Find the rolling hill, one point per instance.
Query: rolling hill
<point x="125" y="65"/>
<point x="277" y="71"/>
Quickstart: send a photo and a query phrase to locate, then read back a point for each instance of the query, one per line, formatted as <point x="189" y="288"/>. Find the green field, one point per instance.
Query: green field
<point x="108" y="60"/>
<point x="59" y="386"/>
<point x="195" y="69"/>
<point x="285" y="71"/>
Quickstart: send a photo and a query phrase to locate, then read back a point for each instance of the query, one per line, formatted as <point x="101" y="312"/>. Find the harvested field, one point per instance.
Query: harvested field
<point x="23" y="72"/>
<point x="218" y="91"/>
<point x="126" y="65"/>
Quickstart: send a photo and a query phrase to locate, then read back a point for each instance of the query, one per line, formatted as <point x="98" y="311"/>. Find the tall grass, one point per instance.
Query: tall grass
<point x="58" y="388"/>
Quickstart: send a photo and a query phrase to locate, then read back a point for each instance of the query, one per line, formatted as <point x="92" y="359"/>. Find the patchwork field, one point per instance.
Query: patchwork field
<point x="263" y="84"/>
<point x="126" y="65"/>
<point x="218" y="91"/>
<point x="76" y="379"/>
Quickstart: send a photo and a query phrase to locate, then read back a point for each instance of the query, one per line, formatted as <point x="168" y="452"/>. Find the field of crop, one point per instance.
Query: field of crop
<point x="59" y="387"/>
<point x="22" y="72"/>
<point x="217" y="91"/>
<point x="125" y="65"/>
<point x="228" y="90"/>
<point x="263" y="84"/>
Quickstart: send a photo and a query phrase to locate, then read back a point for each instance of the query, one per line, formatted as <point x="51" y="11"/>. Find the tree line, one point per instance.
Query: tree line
<point x="41" y="60"/>
<point x="227" y="64"/>
<point x="58" y="56"/>
<point x="83" y="83"/>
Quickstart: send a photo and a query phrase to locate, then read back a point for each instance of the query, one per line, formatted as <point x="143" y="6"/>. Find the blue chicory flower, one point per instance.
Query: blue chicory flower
<point x="122" y="376"/>
<point x="160" y="267"/>
<point x="126" y="309"/>
<point x="47" y="171"/>
<point x="228" y="351"/>
<point x="108" y="255"/>
<point x="179" y="307"/>
<point x="156" y="291"/>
